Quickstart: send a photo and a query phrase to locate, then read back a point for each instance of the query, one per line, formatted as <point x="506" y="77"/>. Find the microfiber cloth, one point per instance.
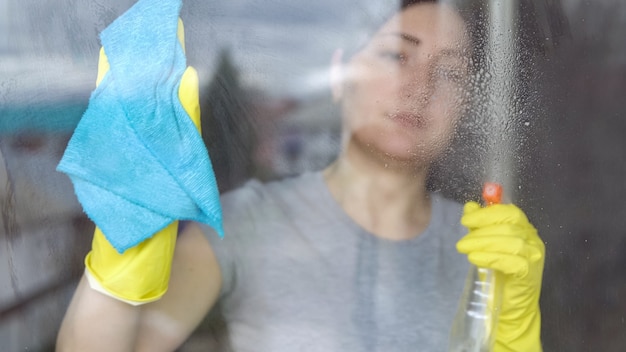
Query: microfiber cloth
<point x="136" y="160"/>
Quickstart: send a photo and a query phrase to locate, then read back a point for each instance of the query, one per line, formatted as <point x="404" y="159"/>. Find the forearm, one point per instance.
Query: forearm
<point x="95" y="322"/>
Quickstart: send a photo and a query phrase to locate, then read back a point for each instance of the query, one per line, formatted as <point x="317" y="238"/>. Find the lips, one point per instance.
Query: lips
<point x="408" y="119"/>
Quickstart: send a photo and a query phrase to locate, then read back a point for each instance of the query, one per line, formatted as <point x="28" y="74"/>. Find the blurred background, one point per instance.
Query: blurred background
<point x="267" y="113"/>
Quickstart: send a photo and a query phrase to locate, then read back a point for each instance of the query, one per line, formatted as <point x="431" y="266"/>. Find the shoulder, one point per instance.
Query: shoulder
<point x="256" y="196"/>
<point x="255" y="206"/>
<point x="447" y="225"/>
<point x="256" y="217"/>
<point x="255" y="188"/>
<point x="448" y="207"/>
<point x="447" y="216"/>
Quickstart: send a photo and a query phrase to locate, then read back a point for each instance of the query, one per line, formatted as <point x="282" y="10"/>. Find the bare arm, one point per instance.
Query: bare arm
<point x="95" y="322"/>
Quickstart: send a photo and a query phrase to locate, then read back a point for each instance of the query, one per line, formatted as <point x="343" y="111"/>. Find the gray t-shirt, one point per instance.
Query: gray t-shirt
<point x="300" y="275"/>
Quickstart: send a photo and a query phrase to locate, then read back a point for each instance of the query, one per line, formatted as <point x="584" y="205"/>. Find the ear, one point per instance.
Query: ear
<point x="336" y="75"/>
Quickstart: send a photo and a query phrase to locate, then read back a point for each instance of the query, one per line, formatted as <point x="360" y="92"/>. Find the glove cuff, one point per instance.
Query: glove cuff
<point x="139" y="275"/>
<point x="96" y="286"/>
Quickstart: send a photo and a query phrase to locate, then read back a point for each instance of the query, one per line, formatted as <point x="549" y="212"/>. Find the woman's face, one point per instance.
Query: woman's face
<point x="402" y="94"/>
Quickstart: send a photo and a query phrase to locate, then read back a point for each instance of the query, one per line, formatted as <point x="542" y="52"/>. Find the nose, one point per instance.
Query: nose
<point x="416" y="85"/>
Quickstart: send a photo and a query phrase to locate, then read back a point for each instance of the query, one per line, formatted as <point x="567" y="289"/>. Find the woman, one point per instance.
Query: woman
<point x="360" y="256"/>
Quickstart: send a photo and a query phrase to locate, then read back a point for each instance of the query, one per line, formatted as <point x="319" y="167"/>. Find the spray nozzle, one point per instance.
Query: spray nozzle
<point x="492" y="193"/>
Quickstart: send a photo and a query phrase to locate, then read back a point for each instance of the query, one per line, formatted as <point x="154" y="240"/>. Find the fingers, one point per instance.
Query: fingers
<point x="504" y="230"/>
<point x="188" y="90"/>
<point x="494" y="214"/>
<point x="103" y="66"/>
<point x="500" y="245"/>
<point x="470" y="207"/>
<point x="514" y="265"/>
<point x="188" y="95"/>
<point x="180" y="33"/>
<point x="500" y="238"/>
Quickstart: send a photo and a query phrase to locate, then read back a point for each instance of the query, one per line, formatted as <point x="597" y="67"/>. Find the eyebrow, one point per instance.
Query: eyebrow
<point x="447" y="52"/>
<point x="407" y="37"/>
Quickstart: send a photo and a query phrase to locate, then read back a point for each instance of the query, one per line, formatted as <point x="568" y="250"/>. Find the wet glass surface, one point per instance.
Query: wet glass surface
<point x="546" y="119"/>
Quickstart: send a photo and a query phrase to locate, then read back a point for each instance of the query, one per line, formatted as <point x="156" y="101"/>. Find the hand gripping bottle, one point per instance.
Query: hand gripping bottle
<point x="474" y="326"/>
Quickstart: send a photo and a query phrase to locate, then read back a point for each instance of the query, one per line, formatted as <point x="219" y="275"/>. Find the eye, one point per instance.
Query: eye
<point x="395" y="56"/>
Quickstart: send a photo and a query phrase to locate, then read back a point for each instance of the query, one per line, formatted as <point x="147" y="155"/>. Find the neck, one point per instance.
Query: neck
<point x="385" y="198"/>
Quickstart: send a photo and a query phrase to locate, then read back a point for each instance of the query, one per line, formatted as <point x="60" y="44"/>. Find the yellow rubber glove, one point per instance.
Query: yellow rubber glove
<point x="141" y="274"/>
<point x="501" y="238"/>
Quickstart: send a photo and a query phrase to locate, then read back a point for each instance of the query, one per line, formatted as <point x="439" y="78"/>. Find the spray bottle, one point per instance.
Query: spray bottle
<point x="474" y="326"/>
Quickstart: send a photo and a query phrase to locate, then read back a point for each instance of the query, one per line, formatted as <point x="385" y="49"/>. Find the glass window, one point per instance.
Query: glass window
<point x="526" y="93"/>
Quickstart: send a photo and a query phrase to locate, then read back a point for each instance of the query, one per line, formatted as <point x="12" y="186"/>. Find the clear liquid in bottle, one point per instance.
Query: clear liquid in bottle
<point x="474" y="326"/>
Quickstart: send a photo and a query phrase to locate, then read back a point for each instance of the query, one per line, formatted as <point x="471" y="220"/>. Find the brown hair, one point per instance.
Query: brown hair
<point x="372" y="22"/>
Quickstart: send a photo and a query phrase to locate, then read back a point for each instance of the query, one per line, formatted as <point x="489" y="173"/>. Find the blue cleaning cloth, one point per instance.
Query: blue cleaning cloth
<point x="136" y="160"/>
